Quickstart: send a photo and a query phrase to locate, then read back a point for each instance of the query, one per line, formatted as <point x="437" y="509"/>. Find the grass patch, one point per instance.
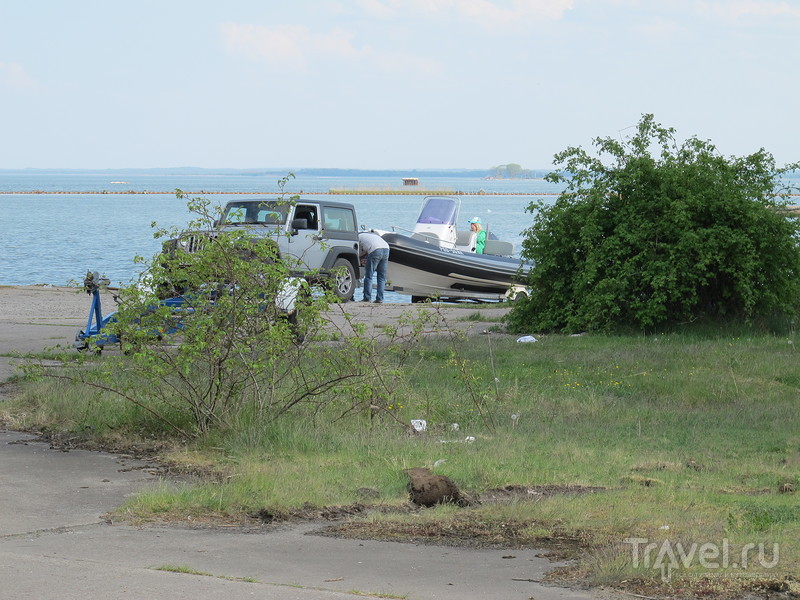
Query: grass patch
<point x="482" y="317"/>
<point x="187" y="570"/>
<point x="181" y="569"/>
<point x="695" y="438"/>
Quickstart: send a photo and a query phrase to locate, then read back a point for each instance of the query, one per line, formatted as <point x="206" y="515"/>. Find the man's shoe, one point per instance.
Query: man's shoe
<point x="378" y="301"/>
<point x="366" y="300"/>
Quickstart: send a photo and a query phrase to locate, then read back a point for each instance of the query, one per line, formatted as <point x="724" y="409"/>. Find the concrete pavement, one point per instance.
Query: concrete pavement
<point x="33" y="318"/>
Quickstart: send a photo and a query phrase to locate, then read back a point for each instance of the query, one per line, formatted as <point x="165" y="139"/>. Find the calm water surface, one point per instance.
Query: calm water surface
<point x="54" y="238"/>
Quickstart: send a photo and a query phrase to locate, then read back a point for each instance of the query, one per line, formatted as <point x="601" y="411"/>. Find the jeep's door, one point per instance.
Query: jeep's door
<point x="307" y="245"/>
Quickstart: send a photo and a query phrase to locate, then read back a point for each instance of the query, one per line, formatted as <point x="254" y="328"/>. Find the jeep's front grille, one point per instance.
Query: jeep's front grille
<point x="193" y="242"/>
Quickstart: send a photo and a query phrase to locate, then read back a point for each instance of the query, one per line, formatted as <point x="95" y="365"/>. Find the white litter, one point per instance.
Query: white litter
<point x="419" y="425"/>
<point x="526" y="339"/>
<point x="467" y="440"/>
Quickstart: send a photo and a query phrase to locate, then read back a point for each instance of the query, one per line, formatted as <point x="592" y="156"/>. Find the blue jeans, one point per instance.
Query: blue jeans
<point x="377" y="262"/>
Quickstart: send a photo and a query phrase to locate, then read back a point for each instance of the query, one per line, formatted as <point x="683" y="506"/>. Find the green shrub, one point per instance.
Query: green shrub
<point x="657" y="238"/>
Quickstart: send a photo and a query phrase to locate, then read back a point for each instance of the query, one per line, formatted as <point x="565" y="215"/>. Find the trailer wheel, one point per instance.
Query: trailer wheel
<point x="520" y="295"/>
<point x="93" y="349"/>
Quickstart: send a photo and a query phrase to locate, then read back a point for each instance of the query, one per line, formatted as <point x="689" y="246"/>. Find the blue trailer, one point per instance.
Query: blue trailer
<point x="94" y="335"/>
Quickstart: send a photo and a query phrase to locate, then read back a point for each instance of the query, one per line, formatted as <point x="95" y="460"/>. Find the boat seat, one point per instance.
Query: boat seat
<point x="498" y="248"/>
<point x="465" y="240"/>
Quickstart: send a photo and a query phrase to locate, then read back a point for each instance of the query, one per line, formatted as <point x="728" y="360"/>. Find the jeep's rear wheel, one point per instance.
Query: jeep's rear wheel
<point x="343" y="278"/>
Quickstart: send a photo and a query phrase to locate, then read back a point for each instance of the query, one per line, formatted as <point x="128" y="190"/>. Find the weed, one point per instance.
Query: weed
<point x="187" y="570"/>
<point x="181" y="569"/>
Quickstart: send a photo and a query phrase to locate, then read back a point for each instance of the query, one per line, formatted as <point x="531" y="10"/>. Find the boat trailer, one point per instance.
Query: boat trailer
<point x="95" y="337"/>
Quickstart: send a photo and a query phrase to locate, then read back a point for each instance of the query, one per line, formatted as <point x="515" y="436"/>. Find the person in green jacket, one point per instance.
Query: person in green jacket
<point x="480" y="240"/>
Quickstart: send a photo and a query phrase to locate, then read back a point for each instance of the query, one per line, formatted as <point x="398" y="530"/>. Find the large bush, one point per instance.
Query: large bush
<point x="649" y="232"/>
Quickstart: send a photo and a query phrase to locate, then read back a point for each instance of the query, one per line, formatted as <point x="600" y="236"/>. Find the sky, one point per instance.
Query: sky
<point x="387" y="84"/>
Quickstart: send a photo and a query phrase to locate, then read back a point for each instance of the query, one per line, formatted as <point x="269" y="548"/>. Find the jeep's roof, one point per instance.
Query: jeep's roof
<point x="296" y="201"/>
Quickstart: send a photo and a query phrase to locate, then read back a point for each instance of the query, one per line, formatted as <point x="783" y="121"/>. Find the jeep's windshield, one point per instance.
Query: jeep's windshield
<point x="259" y="212"/>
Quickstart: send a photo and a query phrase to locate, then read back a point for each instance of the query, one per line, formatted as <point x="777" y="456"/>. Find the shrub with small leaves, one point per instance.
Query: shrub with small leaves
<point x="652" y="232"/>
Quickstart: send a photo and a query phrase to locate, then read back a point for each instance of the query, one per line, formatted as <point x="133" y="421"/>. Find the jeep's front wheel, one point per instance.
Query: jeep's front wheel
<point x="343" y="279"/>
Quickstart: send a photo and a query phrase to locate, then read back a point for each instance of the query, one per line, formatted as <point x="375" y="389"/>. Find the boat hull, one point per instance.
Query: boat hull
<point x="422" y="269"/>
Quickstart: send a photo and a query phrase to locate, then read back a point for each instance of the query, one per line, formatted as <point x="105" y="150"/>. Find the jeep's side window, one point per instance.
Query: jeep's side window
<point x="270" y="217"/>
<point x="338" y="219"/>
<point x="309" y="213"/>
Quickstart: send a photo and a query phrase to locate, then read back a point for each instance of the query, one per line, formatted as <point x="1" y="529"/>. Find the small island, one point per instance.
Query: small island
<point x="512" y="171"/>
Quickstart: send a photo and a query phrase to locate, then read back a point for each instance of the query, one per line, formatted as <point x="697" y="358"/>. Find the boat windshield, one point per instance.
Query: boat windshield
<point x="265" y="212"/>
<point x="438" y="211"/>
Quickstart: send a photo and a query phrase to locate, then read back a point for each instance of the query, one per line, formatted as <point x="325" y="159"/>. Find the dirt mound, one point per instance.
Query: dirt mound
<point x="428" y="489"/>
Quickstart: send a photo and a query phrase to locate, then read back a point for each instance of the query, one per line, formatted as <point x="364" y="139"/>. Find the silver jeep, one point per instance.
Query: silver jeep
<point x="320" y="236"/>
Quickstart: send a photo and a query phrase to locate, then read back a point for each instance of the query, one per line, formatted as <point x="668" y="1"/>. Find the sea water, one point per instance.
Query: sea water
<point x="56" y="226"/>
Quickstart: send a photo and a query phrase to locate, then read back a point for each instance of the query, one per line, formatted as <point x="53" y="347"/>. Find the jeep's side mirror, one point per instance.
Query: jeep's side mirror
<point x="299" y="224"/>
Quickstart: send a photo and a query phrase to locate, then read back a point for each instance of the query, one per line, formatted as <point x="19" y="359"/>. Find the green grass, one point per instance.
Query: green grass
<point x="695" y="436"/>
<point x="481" y="316"/>
<point x="187" y="570"/>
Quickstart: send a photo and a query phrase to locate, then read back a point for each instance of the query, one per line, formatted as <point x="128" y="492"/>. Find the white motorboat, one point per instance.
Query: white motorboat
<point x="436" y="260"/>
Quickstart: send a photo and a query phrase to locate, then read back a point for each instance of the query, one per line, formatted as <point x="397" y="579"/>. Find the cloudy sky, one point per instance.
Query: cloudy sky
<point x="399" y="84"/>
